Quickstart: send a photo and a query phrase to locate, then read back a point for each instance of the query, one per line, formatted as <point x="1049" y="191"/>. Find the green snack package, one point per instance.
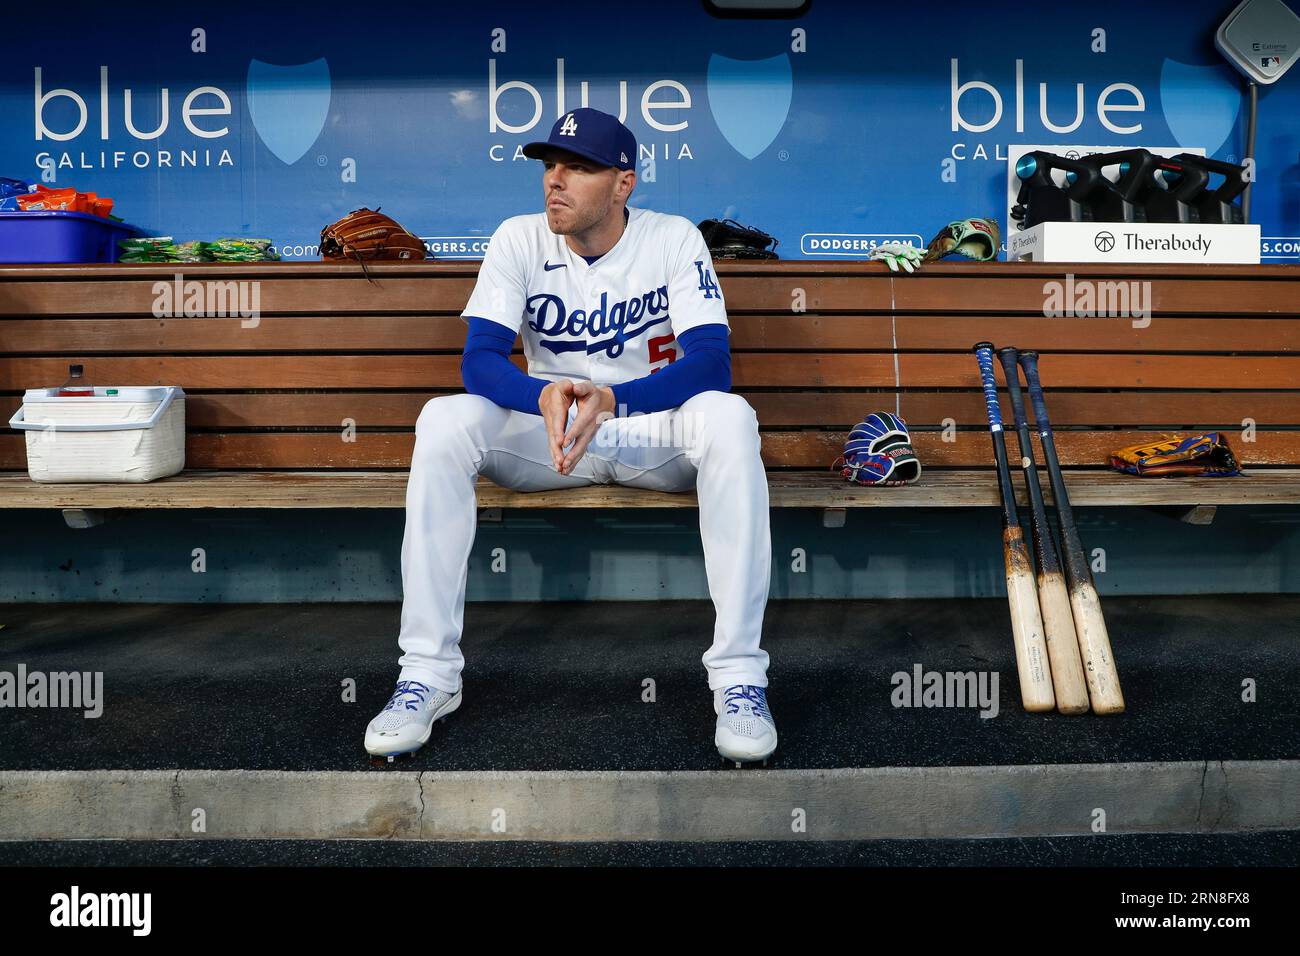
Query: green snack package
<point x="231" y="249"/>
<point x="145" y="242"/>
<point x="192" y="251"/>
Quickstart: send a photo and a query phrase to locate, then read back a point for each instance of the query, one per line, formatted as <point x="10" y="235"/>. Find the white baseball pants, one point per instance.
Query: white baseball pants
<point x="710" y="442"/>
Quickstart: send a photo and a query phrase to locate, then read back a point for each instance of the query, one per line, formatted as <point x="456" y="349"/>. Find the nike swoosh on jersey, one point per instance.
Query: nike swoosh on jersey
<point x="548" y="267"/>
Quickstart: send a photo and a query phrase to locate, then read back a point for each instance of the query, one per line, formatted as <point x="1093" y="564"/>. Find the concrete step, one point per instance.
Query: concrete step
<point x="839" y="804"/>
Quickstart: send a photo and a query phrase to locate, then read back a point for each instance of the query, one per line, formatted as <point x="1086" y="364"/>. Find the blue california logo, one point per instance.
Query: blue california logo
<point x="1200" y="103"/>
<point x="288" y="105"/>
<point x="750" y="100"/>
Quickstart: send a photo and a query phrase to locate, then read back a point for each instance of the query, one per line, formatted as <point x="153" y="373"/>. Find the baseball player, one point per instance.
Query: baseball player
<point x="629" y="375"/>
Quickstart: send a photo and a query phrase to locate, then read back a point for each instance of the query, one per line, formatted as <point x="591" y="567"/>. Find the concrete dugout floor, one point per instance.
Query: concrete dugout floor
<point x="558" y="686"/>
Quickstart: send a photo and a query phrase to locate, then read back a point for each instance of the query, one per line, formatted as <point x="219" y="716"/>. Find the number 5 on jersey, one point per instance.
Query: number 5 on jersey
<point x="707" y="283"/>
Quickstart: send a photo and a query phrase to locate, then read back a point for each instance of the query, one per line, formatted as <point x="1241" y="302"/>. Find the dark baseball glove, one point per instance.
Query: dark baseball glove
<point x="366" y="235"/>
<point x="728" y="239"/>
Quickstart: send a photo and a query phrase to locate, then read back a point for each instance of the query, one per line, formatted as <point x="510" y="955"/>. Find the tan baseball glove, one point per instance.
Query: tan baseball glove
<point x="1205" y="455"/>
<point x="978" y="239"/>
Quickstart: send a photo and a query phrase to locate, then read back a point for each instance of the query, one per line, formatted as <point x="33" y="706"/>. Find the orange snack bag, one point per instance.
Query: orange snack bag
<point x="66" y="199"/>
<point x="49" y="199"/>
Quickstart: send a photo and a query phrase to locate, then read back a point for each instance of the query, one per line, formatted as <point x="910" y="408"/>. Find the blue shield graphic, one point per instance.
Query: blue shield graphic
<point x="1200" y="103"/>
<point x="750" y="100"/>
<point x="288" y="105"/>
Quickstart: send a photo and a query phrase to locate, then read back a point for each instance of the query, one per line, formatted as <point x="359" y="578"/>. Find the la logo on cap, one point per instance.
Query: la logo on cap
<point x="570" y="128"/>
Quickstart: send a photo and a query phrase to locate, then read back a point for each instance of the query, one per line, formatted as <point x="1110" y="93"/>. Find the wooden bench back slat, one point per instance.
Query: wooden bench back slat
<point x="781" y="449"/>
<point x="776" y="409"/>
<point x="749" y="370"/>
<point x="854" y="287"/>
<point x="135" y="297"/>
<point x="758" y="332"/>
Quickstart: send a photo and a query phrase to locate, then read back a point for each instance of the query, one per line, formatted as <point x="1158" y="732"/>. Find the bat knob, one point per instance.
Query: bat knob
<point x="982" y="345"/>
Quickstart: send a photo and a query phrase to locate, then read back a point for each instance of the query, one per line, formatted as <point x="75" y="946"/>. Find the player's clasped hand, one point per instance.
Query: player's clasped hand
<point x="595" y="407"/>
<point x="554" y="405"/>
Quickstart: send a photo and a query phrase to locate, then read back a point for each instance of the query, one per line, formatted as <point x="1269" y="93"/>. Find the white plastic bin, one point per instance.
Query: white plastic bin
<point x="136" y="435"/>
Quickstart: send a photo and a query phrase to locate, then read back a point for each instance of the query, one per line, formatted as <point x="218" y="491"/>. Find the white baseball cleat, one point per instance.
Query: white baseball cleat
<point x="405" y="723"/>
<point x="746" y="730"/>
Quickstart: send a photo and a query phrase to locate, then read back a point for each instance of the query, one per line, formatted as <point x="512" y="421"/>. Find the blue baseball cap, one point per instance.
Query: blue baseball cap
<point x="598" y="136"/>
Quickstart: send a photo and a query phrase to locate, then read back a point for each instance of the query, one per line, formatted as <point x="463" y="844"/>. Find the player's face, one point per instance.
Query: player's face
<point x="579" y="194"/>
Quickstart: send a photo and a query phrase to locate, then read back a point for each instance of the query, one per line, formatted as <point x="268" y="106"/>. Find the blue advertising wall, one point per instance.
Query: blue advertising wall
<point x="204" y="121"/>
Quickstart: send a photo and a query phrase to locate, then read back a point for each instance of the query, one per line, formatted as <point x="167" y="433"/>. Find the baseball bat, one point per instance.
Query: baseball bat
<point x="1026" y="622"/>
<point x="1090" y="626"/>
<point x="1053" y="598"/>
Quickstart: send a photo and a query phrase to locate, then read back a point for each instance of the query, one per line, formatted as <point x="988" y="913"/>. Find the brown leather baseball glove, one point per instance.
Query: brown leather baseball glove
<point x="366" y="235"/>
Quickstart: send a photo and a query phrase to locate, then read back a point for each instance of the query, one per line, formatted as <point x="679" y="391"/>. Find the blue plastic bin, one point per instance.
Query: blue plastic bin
<point x="57" y="236"/>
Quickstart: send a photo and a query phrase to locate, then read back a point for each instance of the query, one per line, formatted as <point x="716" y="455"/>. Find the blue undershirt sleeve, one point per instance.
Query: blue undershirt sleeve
<point x="486" y="368"/>
<point x="706" y="366"/>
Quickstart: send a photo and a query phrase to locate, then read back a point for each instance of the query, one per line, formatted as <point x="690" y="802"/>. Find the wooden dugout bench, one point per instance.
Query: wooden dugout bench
<point x="816" y="345"/>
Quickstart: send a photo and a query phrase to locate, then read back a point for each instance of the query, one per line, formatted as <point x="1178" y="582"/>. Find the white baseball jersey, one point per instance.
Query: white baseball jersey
<point x="609" y="322"/>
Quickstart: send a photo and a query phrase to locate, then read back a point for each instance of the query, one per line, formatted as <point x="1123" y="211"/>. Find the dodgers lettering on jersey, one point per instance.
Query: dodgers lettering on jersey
<point x="609" y="322"/>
